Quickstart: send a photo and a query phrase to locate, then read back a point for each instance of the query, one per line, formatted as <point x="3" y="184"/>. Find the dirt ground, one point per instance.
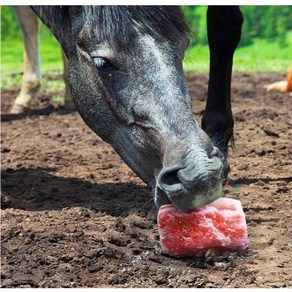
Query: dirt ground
<point x="74" y="215"/>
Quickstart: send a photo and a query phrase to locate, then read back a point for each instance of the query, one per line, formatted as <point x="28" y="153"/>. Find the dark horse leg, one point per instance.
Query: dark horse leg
<point x="224" y="31"/>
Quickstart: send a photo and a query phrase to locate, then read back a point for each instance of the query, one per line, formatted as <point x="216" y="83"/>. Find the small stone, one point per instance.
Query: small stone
<point x="95" y="268"/>
<point x="161" y="279"/>
<point x="209" y="285"/>
<point x="98" y="241"/>
<point x="136" y="251"/>
<point x="155" y="259"/>
<point x="66" y="258"/>
<point x="55" y="237"/>
<point x="79" y="233"/>
<point x="140" y="224"/>
<point x="120" y="227"/>
<point x="270" y="133"/>
<point x="117" y="241"/>
<point x="277" y="285"/>
<point x="5" y="150"/>
<point x="243" y="166"/>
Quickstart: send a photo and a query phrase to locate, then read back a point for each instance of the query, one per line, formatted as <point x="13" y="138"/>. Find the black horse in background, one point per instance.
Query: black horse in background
<point x="126" y="79"/>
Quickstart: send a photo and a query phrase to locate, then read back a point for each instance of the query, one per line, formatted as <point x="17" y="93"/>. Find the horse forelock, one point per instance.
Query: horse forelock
<point x="119" y="25"/>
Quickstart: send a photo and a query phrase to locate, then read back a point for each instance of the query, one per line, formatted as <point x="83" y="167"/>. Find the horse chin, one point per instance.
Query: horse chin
<point x="160" y="197"/>
<point x="187" y="199"/>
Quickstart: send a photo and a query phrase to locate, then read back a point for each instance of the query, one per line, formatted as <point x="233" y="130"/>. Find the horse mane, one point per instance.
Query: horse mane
<point x="118" y="25"/>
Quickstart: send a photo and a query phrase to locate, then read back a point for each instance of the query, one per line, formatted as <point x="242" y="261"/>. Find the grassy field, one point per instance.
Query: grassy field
<point x="12" y="58"/>
<point x="261" y="56"/>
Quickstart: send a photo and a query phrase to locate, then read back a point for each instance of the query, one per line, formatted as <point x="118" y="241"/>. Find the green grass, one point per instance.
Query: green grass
<point x="12" y="54"/>
<point x="261" y="56"/>
<point x="12" y="60"/>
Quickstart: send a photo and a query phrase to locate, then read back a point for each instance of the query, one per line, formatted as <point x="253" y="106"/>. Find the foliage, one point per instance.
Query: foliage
<point x="12" y="49"/>
<point x="259" y="56"/>
<point x="9" y="24"/>
<point x="271" y="23"/>
<point x="266" y="43"/>
<point x="196" y="16"/>
<point x="10" y="28"/>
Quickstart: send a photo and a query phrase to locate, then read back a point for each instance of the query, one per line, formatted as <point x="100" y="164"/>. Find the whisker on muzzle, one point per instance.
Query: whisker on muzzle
<point x="148" y="203"/>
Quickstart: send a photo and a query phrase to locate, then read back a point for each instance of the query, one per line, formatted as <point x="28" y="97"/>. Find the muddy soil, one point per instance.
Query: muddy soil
<point x="74" y="215"/>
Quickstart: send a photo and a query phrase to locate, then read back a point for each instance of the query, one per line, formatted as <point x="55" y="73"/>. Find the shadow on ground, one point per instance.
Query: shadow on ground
<point x="39" y="189"/>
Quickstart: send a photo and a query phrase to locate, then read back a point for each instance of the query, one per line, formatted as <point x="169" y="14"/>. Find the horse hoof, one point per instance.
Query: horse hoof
<point x="18" y="109"/>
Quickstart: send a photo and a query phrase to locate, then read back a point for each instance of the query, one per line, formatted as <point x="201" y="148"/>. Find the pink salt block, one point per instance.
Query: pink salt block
<point x="219" y="226"/>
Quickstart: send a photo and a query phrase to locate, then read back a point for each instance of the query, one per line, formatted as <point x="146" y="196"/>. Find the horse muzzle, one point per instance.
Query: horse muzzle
<point x="193" y="186"/>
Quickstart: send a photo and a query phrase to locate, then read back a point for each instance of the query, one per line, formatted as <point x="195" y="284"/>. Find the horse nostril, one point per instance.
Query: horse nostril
<point x="169" y="180"/>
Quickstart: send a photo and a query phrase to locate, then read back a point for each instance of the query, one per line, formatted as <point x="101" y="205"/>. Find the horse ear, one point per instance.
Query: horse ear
<point x="59" y="19"/>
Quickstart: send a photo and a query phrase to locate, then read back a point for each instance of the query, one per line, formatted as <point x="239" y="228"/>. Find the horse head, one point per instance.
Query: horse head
<point x="127" y="82"/>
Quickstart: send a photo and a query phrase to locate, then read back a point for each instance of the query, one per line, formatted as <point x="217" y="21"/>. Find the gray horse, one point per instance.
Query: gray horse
<point x="126" y="79"/>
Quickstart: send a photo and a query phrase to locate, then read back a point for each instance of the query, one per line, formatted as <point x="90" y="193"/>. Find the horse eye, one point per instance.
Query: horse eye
<point x="103" y="64"/>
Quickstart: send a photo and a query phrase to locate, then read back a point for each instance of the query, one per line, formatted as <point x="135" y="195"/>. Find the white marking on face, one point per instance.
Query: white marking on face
<point x="164" y="82"/>
<point x="163" y="72"/>
<point x="153" y="47"/>
<point x="159" y="57"/>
